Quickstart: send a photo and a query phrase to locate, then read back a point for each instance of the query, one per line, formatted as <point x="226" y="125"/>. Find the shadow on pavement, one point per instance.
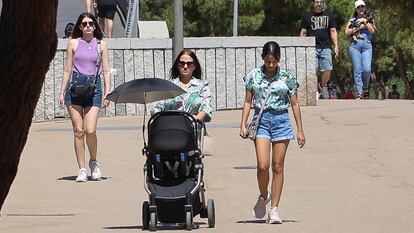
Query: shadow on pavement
<point x="160" y="226"/>
<point x="245" y="167"/>
<point x="262" y="221"/>
<point x="73" y="178"/>
<point x="122" y="227"/>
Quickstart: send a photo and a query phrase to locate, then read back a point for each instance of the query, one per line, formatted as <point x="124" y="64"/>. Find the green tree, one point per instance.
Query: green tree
<point x="394" y="55"/>
<point x="251" y="17"/>
<point x="282" y="17"/>
<point x="206" y="17"/>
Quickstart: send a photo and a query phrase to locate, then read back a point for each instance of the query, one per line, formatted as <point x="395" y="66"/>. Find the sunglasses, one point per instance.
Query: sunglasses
<point x="183" y="63"/>
<point x="90" y="23"/>
<point x="359" y="7"/>
<point x="271" y="62"/>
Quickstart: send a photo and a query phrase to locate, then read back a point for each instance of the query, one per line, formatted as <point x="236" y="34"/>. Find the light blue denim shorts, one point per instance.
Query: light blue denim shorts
<point x="274" y="125"/>
<point x="324" y="59"/>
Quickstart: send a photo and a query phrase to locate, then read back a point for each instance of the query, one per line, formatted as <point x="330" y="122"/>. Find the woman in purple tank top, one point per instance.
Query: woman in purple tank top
<point x="82" y="67"/>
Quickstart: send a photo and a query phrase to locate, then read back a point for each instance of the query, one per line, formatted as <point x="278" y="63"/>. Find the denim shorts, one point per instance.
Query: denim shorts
<point x="96" y="100"/>
<point x="274" y="125"/>
<point x="324" y="59"/>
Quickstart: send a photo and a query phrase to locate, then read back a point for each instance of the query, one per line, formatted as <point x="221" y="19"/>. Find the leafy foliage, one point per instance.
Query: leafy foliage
<point x="206" y="17"/>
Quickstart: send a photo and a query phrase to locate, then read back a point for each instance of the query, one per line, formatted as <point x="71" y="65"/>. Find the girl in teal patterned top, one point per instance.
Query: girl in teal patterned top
<point x="186" y="73"/>
<point x="274" y="128"/>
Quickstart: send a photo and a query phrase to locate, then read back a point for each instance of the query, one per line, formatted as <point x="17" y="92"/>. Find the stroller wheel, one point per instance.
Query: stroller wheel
<point x="145" y="215"/>
<point x="189" y="220"/>
<point x="153" y="221"/>
<point x="211" y="213"/>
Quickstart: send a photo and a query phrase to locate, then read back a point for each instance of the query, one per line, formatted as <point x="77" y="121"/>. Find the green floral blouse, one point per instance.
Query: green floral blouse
<point x="196" y="99"/>
<point x="281" y="87"/>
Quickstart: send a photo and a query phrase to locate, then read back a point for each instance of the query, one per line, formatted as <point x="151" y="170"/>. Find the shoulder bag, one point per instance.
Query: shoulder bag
<point x="252" y="126"/>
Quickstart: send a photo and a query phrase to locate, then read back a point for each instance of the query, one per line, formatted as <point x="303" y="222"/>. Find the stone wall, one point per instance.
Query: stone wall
<point x="224" y="61"/>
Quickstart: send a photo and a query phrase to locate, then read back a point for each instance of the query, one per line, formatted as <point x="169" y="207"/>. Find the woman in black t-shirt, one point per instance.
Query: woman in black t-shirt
<point x="321" y="24"/>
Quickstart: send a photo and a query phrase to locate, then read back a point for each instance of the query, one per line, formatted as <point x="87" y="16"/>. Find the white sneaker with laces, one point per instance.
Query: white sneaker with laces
<point x="96" y="173"/>
<point x="273" y="216"/>
<point x="82" y="176"/>
<point x="259" y="210"/>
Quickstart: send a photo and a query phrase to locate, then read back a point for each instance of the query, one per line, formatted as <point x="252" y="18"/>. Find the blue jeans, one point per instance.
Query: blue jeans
<point x="360" y="52"/>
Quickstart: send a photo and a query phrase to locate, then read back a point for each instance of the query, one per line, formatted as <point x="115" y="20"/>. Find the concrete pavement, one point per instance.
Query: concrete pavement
<point x="354" y="175"/>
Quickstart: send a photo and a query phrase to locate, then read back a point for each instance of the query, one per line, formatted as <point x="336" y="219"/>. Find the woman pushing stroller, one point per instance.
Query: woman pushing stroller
<point x="186" y="73"/>
<point x="174" y="169"/>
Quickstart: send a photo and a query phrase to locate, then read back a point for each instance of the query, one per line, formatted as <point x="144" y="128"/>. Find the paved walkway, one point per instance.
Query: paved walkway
<point x="354" y="175"/>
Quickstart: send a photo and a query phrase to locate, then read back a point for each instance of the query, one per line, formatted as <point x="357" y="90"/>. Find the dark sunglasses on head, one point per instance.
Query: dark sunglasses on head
<point x="90" y="23"/>
<point x="188" y="63"/>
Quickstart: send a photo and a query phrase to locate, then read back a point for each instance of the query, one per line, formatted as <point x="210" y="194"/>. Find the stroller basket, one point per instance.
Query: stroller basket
<point x="173" y="190"/>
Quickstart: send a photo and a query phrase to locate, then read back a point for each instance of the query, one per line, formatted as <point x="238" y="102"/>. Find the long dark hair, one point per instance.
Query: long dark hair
<point x="174" y="72"/>
<point x="272" y="48"/>
<point x="368" y="14"/>
<point x="69" y="30"/>
<point x="77" y="32"/>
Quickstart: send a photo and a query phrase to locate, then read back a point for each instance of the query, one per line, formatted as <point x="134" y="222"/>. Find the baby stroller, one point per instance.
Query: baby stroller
<point x="174" y="171"/>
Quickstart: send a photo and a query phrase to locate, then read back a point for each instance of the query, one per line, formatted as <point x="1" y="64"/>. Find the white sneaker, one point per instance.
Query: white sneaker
<point x="259" y="210"/>
<point x="325" y="93"/>
<point x="96" y="173"/>
<point x="82" y="176"/>
<point x="273" y="216"/>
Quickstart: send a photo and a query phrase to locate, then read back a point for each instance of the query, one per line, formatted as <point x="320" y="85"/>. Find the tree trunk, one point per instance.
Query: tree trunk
<point x="28" y="44"/>
<point x="378" y="86"/>
<point x="403" y="74"/>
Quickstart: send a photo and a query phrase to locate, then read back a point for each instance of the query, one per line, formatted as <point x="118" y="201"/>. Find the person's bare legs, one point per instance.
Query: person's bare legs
<point x="324" y="83"/>
<point x="110" y="23"/>
<point x="325" y="78"/>
<point x="262" y="147"/>
<point x="76" y="116"/>
<point x="263" y="164"/>
<point x="90" y="121"/>
<point x="102" y="24"/>
<point x="278" y="164"/>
